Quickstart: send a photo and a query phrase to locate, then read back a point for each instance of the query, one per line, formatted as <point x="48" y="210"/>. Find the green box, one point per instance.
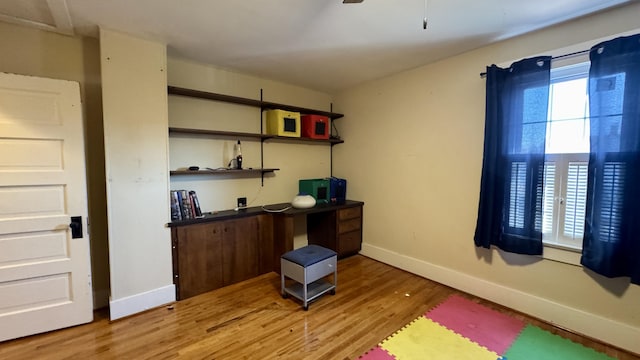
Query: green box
<point x="318" y="188"/>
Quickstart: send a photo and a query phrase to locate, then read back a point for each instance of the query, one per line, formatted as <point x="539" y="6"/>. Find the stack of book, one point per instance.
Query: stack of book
<point x="185" y="205"/>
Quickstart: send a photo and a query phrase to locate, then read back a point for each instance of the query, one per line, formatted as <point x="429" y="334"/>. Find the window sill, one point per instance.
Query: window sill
<point x="562" y="254"/>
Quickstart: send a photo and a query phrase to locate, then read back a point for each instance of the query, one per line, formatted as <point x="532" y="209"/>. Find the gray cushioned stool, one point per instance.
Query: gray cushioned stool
<point x="308" y="266"/>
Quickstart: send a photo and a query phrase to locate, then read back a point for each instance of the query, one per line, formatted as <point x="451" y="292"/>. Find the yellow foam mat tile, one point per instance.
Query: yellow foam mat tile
<point x="424" y="339"/>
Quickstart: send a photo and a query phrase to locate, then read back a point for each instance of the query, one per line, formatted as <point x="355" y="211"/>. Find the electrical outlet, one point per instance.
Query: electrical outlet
<point x="242" y="202"/>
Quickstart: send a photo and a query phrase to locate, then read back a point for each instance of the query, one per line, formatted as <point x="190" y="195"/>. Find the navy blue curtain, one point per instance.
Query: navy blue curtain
<point x="510" y="208"/>
<point x="611" y="244"/>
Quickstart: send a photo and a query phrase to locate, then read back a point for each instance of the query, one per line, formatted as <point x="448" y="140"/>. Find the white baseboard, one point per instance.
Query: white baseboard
<point x="130" y="305"/>
<point x="609" y="331"/>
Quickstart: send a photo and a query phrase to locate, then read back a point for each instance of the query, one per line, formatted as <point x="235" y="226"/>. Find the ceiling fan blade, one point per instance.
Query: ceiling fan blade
<point x="351" y="1"/>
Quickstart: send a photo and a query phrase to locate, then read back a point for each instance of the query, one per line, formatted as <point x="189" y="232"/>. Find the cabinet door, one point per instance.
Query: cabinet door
<point x="199" y="255"/>
<point x="265" y="243"/>
<point x="240" y="250"/>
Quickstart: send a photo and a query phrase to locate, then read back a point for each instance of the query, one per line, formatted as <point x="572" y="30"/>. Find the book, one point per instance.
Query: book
<point x="195" y="204"/>
<point x="186" y="205"/>
<point x="176" y="214"/>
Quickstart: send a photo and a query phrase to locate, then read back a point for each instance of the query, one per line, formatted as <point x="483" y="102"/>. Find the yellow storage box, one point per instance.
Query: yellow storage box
<point x="283" y="123"/>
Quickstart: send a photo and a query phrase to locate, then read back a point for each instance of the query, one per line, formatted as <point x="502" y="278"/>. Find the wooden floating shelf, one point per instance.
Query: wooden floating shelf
<point x="174" y="90"/>
<point x="264" y="105"/>
<point x="331" y="141"/>
<point x="233" y="134"/>
<point x="222" y="171"/>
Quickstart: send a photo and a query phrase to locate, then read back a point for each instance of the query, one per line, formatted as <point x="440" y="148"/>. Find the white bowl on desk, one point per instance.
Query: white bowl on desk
<point x="302" y="201"/>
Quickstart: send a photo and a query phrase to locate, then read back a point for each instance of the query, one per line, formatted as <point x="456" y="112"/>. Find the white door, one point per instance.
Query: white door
<point x="45" y="280"/>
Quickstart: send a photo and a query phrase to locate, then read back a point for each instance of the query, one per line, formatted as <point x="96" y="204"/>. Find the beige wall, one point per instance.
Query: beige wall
<point x="39" y="53"/>
<point x="295" y="161"/>
<point x="413" y="153"/>
<point x="134" y="96"/>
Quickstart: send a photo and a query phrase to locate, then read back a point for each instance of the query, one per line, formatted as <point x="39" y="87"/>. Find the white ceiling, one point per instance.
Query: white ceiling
<point x="320" y="44"/>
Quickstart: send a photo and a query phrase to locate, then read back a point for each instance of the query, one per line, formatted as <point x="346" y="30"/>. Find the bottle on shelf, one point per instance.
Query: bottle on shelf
<point x="238" y="156"/>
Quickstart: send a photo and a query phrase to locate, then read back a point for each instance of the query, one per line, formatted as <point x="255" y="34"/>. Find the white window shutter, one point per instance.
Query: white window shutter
<point x="613" y="197"/>
<point x="576" y="200"/>
<point x="548" y="199"/>
<point x="517" y="193"/>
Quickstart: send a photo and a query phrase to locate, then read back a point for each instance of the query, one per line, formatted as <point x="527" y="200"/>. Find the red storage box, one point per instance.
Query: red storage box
<point x="315" y="126"/>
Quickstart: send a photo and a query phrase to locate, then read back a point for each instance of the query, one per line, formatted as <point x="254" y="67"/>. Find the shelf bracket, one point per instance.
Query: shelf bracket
<point x="261" y="143"/>
<point x="331" y="147"/>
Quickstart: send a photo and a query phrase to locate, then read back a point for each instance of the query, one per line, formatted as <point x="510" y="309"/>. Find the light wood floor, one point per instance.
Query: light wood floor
<point x="251" y="320"/>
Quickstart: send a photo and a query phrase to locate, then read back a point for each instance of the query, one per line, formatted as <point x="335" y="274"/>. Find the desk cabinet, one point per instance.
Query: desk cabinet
<point x="349" y="229"/>
<point x="339" y="230"/>
<point x="229" y="247"/>
<point x="211" y="255"/>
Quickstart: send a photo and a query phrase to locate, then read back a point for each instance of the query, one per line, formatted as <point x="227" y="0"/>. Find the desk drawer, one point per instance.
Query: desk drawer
<point x="350" y="243"/>
<point x="349" y="213"/>
<point x="349" y="225"/>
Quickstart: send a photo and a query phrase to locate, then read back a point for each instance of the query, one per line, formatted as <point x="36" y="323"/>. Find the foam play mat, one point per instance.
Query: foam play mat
<point x="459" y="329"/>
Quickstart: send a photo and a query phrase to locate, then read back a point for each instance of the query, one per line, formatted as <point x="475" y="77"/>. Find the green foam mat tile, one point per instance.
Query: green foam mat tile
<point x="535" y="343"/>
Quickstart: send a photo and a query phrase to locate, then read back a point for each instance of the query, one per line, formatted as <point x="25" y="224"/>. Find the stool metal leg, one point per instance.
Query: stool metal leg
<point x="282" y="292"/>
<point x="335" y="281"/>
<point x="305" y="292"/>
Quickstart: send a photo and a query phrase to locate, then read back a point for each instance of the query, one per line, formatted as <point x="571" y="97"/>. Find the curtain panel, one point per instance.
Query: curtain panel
<point x="510" y="206"/>
<point x="611" y="244"/>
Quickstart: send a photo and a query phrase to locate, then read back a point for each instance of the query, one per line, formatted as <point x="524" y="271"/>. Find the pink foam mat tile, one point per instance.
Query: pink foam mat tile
<point x="480" y="324"/>
<point x="377" y="353"/>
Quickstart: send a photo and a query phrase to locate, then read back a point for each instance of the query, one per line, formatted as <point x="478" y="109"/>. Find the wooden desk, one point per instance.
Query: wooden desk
<point x="231" y="246"/>
<point x="337" y="227"/>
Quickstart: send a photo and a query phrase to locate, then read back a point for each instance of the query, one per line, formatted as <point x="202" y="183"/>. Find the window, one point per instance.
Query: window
<point x="565" y="166"/>
<point x="539" y="156"/>
<point x="566" y="157"/>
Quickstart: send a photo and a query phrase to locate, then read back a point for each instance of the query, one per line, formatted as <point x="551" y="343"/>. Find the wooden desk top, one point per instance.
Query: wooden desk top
<point x="273" y="209"/>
